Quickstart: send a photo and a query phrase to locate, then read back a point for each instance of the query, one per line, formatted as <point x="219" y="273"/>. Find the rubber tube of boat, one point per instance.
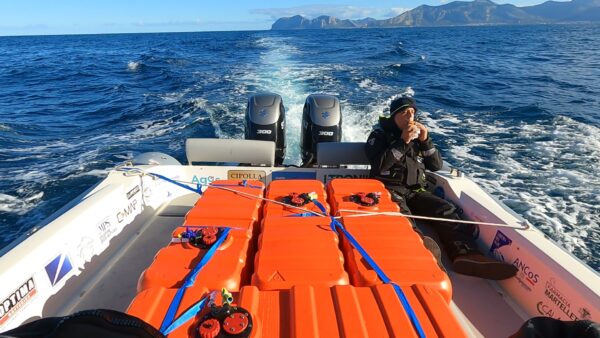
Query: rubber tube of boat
<point x="265" y="121"/>
<point x="321" y="122"/>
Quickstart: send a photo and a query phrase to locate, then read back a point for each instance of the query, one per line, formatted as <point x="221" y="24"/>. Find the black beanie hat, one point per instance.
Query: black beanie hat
<point x="400" y="103"/>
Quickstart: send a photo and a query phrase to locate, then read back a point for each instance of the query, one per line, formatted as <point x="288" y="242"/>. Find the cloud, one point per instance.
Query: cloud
<point x="399" y="10"/>
<point x="342" y="12"/>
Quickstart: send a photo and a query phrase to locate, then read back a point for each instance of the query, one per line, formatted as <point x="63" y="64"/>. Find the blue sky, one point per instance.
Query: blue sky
<point x="26" y="17"/>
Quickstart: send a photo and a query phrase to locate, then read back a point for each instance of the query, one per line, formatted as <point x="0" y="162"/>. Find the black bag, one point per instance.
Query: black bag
<point x="546" y="327"/>
<point x="89" y="324"/>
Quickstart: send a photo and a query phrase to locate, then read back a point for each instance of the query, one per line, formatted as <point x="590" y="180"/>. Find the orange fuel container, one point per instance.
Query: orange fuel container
<point x="397" y="249"/>
<point x="227" y="204"/>
<point x="298" y="251"/>
<point x="151" y="306"/>
<point x="389" y="240"/>
<point x="347" y="194"/>
<point x="229" y="267"/>
<point x="281" y="191"/>
<point x="347" y="311"/>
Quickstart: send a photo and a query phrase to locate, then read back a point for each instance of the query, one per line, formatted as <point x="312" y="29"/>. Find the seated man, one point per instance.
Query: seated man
<point x="399" y="151"/>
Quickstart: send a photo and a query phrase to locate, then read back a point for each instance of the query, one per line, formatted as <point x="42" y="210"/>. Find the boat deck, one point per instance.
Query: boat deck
<point x="109" y="281"/>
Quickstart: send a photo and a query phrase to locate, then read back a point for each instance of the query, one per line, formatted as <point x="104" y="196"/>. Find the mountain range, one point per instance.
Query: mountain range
<point x="458" y="13"/>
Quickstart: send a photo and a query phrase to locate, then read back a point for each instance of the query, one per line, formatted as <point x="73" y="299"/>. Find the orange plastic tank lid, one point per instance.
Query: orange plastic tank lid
<point x="227" y="268"/>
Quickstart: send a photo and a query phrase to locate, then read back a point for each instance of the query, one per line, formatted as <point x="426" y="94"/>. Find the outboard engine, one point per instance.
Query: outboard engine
<point x="321" y="122"/>
<point x="265" y="121"/>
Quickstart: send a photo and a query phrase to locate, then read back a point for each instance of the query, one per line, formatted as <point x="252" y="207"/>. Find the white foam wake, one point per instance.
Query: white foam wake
<point x="19" y="206"/>
<point x="133" y="66"/>
<point x="546" y="171"/>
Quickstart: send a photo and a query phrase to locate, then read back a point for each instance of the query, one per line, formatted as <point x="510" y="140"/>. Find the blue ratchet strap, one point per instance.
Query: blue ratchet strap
<point x="198" y="189"/>
<point x="189" y="281"/>
<point x="324" y="211"/>
<point x="303" y="214"/>
<point x="384" y="278"/>
<point x="243" y="183"/>
<point x="187" y="315"/>
<point x="320" y="206"/>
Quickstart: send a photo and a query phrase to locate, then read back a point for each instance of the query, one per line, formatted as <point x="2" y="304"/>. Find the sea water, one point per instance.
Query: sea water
<point x="516" y="107"/>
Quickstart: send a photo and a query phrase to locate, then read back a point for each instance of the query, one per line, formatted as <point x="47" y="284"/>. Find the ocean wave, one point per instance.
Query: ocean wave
<point x="19" y="205"/>
<point x="369" y="85"/>
<point x="542" y="170"/>
<point x="492" y="111"/>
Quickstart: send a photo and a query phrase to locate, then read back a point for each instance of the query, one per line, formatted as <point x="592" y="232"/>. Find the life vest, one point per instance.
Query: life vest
<point x="408" y="174"/>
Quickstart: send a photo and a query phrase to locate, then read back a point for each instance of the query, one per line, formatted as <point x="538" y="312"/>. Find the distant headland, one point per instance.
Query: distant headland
<point x="460" y="13"/>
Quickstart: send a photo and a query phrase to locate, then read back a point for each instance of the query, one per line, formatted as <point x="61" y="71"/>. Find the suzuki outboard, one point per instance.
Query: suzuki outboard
<point x="265" y="121"/>
<point x="321" y="122"/>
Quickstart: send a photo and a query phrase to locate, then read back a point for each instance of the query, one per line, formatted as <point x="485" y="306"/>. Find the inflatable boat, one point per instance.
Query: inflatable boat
<point x="234" y="243"/>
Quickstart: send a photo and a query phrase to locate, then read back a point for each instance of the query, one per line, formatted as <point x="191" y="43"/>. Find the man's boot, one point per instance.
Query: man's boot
<point x="468" y="261"/>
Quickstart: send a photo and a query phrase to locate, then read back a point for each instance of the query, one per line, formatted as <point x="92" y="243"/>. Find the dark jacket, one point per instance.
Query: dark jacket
<point x="398" y="165"/>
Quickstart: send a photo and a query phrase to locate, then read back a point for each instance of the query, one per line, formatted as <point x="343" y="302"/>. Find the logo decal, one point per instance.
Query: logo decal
<point x="559" y="300"/>
<point x="105" y="230"/>
<point x="128" y="210"/>
<point x="262" y="112"/>
<point x="526" y="276"/>
<point x="325" y="114"/>
<point x="17" y="300"/>
<point x="259" y="175"/>
<point x="58" y="268"/>
<point x="204" y="179"/>
<point x="85" y="248"/>
<point x="328" y="178"/>
<point x="263" y="131"/>
<point x="133" y="191"/>
<point x="545" y="310"/>
<point x="499" y="241"/>
<point x="584" y="313"/>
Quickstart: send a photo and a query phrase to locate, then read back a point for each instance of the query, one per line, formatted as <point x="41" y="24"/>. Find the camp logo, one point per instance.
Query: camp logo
<point x="526" y="276"/>
<point x="16" y="301"/>
<point x="258" y="175"/>
<point x="58" y="268"/>
<point x="128" y="210"/>
<point x="500" y="240"/>
<point x="560" y="301"/>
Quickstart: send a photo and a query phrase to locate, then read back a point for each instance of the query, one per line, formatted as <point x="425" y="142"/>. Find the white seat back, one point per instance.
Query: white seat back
<point x="228" y="150"/>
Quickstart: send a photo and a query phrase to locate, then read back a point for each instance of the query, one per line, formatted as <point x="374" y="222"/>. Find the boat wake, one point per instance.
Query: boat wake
<point x="544" y="171"/>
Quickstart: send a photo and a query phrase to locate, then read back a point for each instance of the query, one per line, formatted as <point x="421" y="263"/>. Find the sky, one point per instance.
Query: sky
<point x="42" y="17"/>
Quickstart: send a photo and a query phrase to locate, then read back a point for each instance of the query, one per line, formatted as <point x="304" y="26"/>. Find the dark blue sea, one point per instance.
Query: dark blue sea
<point x="517" y="107"/>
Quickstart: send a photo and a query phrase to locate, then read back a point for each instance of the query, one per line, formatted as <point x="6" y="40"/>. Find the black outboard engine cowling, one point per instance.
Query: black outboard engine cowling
<point x="321" y="122"/>
<point x="265" y="121"/>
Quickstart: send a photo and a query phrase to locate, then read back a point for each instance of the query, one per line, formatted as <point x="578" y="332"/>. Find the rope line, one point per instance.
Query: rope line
<point x="359" y="213"/>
